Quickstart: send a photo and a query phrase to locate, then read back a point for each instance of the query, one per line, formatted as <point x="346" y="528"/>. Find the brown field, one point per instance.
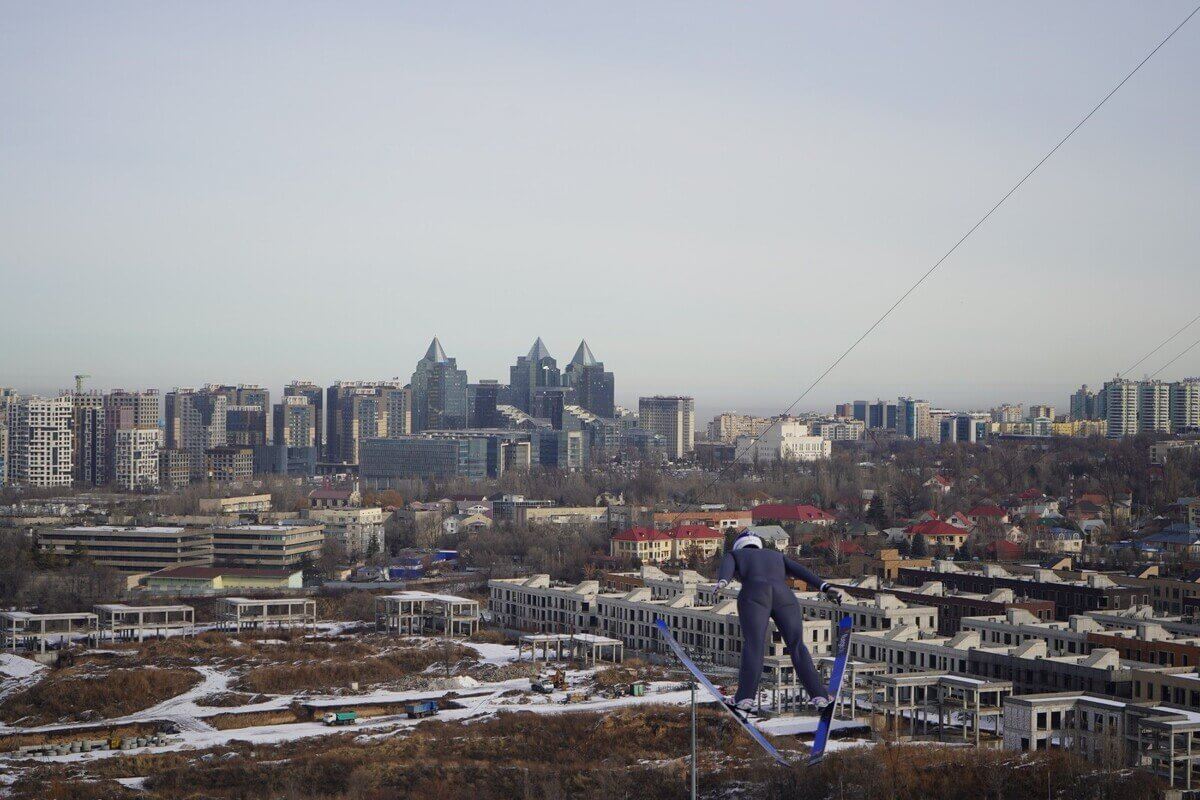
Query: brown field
<point x="634" y="753"/>
<point x="631" y="669"/>
<point x="79" y="694"/>
<point x="341" y="665"/>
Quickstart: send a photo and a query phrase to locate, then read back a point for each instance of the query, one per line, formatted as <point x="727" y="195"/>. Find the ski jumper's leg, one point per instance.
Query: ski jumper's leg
<point x="754" y="614"/>
<point x="790" y="621"/>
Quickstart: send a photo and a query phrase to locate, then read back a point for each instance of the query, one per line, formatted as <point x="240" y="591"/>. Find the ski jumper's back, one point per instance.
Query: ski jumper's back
<point x="755" y="565"/>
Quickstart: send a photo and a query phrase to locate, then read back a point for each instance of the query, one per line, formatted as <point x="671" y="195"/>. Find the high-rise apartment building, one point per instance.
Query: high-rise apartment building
<point x="3" y="448"/>
<point x="439" y="392"/>
<point x="228" y="463"/>
<point x="673" y="418"/>
<point x="1154" y="406"/>
<point x="39" y="441"/>
<point x="1185" y="405"/>
<point x="196" y="421"/>
<point x="1083" y="404"/>
<point x="7" y="398"/>
<point x="248" y="413"/>
<point x="535" y="370"/>
<point x="913" y="420"/>
<point x="594" y="387"/>
<point x="1007" y="413"/>
<point x="128" y="457"/>
<point x="88" y="429"/>
<point x="360" y="410"/>
<point x="315" y="397"/>
<point x="135" y="458"/>
<point x="295" y="421"/>
<point x="1037" y="411"/>
<point x="859" y="410"/>
<point x="398" y="405"/>
<point x="727" y="427"/>
<point x="1121" y="401"/>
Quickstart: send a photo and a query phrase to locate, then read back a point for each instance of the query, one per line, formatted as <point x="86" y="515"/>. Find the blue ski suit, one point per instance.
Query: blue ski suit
<point x="766" y="595"/>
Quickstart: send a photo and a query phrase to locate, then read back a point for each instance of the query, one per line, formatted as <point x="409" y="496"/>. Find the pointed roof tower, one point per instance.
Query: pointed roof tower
<point x="538" y="351"/>
<point x="435" y="353"/>
<point x="583" y="356"/>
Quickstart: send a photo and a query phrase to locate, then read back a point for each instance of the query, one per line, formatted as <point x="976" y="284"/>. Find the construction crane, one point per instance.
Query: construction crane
<point x="79" y="383"/>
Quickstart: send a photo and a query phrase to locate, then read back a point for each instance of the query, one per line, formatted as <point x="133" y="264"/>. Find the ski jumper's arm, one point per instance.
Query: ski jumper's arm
<point x="728" y="568"/>
<point x="796" y="570"/>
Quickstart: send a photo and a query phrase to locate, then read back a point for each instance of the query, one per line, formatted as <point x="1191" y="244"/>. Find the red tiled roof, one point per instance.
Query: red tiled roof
<point x="934" y="527"/>
<point x="694" y="532"/>
<point x="641" y="535"/>
<point x="1030" y="494"/>
<point x="797" y="513"/>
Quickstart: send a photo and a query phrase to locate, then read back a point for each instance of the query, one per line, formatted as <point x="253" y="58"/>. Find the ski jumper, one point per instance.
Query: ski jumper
<point x="766" y="595"/>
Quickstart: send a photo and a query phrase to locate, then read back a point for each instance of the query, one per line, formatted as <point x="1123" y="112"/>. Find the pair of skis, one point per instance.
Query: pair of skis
<point x="841" y="653"/>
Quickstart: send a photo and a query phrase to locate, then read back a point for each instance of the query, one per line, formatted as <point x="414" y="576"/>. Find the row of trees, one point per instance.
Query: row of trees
<point x="31" y="579"/>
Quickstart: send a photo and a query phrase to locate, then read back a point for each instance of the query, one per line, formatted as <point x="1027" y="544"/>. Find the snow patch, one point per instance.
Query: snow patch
<point x="15" y="666"/>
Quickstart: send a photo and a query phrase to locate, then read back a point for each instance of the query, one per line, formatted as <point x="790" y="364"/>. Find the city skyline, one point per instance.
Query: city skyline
<point x="720" y="213"/>
<point x="706" y="407"/>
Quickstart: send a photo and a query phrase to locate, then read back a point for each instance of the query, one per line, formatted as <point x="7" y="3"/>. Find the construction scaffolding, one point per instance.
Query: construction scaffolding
<point x="34" y="631"/>
<point x="241" y="613"/>
<point x="126" y="622"/>
<point x="590" y="649"/>
<point x="413" y="613"/>
<point x="548" y="642"/>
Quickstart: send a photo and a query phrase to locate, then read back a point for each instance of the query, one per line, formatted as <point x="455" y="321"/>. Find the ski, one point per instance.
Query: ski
<point x="841" y="653"/>
<point x="682" y="655"/>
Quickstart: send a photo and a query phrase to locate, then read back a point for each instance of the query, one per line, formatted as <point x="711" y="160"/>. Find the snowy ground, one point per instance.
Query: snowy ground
<point x="478" y="700"/>
<point x="14" y="666"/>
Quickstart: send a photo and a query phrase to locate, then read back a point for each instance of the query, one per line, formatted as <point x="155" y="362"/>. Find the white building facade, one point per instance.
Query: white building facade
<point x="787" y="440"/>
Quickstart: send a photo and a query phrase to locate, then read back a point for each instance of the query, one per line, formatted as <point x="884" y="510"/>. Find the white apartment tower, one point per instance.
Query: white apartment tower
<point x="40" y="442"/>
<point x="135" y="458"/>
<point x="673" y="418"/>
<point x="295" y="422"/>
<point x="1154" y="407"/>
<point x="1185" y="405"/>
<point x="1121" y="403"/>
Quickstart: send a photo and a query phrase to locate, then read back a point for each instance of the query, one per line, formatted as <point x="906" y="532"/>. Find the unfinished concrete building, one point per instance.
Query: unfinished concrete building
<point x="1162" y="739"/>
<point x="244" y="613"/>
<point x="23" y="629"/>
<point x="928" y="702"/>
<point x="414" y="613"/>
<point x="123" y="622"/>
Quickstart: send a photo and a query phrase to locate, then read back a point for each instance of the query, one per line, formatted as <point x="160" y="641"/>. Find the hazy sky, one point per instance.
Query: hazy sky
<point x="719" y="196"/>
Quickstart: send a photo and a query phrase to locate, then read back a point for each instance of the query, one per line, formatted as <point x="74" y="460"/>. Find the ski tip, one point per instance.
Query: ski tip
<point x="845" y="623"/>
<point x="660" y="623"/>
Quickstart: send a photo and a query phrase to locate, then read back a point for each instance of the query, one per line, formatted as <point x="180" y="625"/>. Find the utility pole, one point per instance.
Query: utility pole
<point x="693" y="690"/>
